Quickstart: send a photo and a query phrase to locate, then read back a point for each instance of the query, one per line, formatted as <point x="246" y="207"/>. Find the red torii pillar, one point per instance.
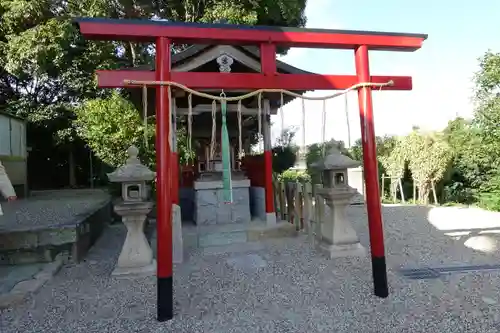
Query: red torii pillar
<point x="268" y="37"/>
<point x="268" y="69"/>
<point x="164" y="183"/>
<point x="373" y="204"/>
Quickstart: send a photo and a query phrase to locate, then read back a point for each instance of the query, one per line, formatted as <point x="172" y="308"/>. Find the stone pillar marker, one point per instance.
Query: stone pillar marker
<point x="337" y="237"/>
<point x="136" y="257"/>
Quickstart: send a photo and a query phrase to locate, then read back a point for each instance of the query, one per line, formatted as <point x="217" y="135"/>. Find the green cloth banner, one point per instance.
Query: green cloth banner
<point x="226" y="158"/>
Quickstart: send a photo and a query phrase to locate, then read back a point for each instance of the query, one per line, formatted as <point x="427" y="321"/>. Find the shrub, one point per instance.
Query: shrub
<point x="488" y="196"/>
<point x="291" y="175"/>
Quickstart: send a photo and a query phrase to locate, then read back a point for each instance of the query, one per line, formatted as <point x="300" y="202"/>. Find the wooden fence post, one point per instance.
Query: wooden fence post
<point x="401" y="189"/>
<point x="298" y="206"/>
<point x="307" y="212"/>
<point x="434" y="192"/>
<point x="290" y="204"/>
<point x="382" y="185"/>
<point x="319" y="212"/>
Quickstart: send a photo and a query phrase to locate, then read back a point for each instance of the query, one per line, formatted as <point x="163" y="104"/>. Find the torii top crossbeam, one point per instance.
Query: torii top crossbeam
<point x="267" y="38"/>
<point x="192" y="33"/>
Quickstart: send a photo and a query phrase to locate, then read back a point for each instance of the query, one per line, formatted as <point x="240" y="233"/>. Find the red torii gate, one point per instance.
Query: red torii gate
<point x="164" y="33"/>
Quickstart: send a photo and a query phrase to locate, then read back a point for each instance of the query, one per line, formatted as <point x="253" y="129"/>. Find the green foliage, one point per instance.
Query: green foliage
<point x="485" y="125"/>
<point x="385" y="144"/>
<point x="47" y="68"/>
<point x="285" y="152"/>
<point x="427" y="155"/>
<point x="316" y="152"/>
<point x="111" y="125"/>
<point x="476" y="144"/>
<point x="488" y="196"/>
<point x="457" y="192"/>
<point x="395" y="161"/>
<point x="294" y="176"/>
<point x="284" y="158"/>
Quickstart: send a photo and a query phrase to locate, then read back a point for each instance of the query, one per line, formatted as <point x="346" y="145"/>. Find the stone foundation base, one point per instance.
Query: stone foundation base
<point x="177" y="246"/>
<point x="271" y="219"/>
<point x="340" y="251"/>
<point x="134" y="272"/>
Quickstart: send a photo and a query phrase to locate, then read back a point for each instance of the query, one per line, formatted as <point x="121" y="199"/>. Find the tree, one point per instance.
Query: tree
<point x="285" y="152"/>
<point x="483" y="145"/>
<point x="111" y="125"/>
<point x="47" y="68"/>
<point x="485" y="125"/>
<point x="316" y="152"/>
<point x="428" y="156"/>
<point x="385" y="144"/>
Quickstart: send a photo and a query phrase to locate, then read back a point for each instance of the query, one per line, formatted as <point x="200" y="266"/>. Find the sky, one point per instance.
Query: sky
<point x="460" y="31"/>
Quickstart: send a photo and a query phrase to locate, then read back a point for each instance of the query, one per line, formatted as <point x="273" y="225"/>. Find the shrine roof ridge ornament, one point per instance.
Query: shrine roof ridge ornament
<point x="148" y="30"/>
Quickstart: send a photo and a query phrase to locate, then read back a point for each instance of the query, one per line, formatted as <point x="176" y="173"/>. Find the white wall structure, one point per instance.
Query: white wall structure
<point x="13" y="150"/>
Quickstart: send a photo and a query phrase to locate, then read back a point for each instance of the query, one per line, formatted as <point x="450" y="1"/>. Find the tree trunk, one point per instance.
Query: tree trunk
<point x="394" y="190"/>
<point x="72" y="168"/>
<point x="423" y="193"/>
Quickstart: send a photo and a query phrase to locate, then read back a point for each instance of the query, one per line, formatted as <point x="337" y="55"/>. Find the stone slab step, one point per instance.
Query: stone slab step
<point x="228" y="238"/>
<point x="239" y="233"/>
<point x="233" y="248"/>
<point x="222" y="238"/>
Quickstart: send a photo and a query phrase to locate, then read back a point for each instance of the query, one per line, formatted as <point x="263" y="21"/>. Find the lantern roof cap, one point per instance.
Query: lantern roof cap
<point x="335" y="160"/>
<point x="132" y="170"/>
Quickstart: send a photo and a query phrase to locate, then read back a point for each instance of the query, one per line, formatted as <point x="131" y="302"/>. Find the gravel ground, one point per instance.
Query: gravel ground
<point x="293" y="290"/>
<point x="40" y="212"/>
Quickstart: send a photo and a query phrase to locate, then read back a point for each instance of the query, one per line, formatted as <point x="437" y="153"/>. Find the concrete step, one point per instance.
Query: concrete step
<point x="37" y="230"/>
<point x="237" y="233"/>
<point x="233" y="248"/>
<point x="226" y="238"/>
<point x="222" y="238"/>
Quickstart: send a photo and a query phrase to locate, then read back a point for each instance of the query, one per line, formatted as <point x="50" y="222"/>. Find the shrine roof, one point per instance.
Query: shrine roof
<point x="252" y="51"/>
<point x="203" y="58"/>
<point x="196" y="50"/>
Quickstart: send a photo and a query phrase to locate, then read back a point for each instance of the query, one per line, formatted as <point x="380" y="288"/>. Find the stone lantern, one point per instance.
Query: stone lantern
<point x="136" y="257"/>
<point x="337" y="237"/>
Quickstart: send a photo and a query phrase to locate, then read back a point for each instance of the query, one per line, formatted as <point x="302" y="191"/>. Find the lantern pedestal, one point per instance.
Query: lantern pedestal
<point x="136" y="257"/>
<point x="338" y="237"/>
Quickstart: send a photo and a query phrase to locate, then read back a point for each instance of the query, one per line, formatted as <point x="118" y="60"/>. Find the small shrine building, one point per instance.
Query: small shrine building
<point x="199" y="182"/>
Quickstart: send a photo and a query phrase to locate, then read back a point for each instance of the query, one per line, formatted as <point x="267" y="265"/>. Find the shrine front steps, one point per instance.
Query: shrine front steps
<point x="225" y="238"/>
<point x="227" y="234"/>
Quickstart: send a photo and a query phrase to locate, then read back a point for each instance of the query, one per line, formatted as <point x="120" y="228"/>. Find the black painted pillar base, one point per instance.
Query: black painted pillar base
<point x="165" y="298"/>
<point x="380" y="277"/>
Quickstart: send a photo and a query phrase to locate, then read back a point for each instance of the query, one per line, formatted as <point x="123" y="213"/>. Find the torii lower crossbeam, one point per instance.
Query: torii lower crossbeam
<point x="165" y="33"/>
<point x="197" y="80"/>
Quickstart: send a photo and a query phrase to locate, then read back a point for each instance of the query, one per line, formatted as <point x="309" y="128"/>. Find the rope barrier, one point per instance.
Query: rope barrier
<point x="258" y="93"/>
<point x="255" y="92"/>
